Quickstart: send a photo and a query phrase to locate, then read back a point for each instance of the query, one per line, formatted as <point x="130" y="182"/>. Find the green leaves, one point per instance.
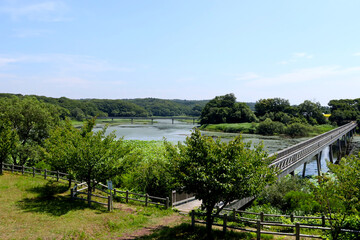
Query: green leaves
<point x="216" y="171"/>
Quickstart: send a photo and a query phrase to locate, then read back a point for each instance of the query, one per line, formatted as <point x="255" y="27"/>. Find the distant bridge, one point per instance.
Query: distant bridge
<point x="289" y="159"/>
<point x="152" y="118"/>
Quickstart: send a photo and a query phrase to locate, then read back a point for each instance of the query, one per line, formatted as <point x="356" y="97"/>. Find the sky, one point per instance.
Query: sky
<point x="181" y="49"/>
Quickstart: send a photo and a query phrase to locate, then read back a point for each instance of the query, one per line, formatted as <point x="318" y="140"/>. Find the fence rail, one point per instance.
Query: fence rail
<point x="148" y="199"/>
<point x="34" y="171"/>
<point x="259" y="225"/>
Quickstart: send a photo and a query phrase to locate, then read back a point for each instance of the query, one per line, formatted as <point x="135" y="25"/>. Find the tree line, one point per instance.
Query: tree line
<point x="80" y="109"/>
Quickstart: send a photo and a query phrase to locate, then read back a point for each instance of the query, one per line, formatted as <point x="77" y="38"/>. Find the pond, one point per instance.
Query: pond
<point x="178" y="131"/>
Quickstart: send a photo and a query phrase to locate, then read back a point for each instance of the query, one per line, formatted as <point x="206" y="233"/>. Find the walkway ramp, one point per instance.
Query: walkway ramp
<point x="187" y="207"/>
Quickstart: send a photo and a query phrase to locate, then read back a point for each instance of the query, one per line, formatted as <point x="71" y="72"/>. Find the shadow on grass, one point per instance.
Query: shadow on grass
<point x="185" y="232"/>
<point x="50" y="201"/>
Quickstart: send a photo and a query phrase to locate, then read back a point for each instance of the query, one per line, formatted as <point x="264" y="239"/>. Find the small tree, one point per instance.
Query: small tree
<point x="92" y="157"/>
<point x="339" y="195"/>
<point x="218" y="172"/>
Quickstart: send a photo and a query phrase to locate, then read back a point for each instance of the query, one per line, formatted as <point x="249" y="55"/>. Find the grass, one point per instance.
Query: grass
<point x="230" y="127"/>
<point x="33" y="208"/>
<point x="320" y="129"/>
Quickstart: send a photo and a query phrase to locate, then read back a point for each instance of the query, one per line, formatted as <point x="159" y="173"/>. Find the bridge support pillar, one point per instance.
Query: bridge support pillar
<point x="304" y="170"/>
<point x="172" y="121"/>
<point x="152" y="121"/>
<point x="292" y="173"/>
<point x="331" y="154"/>
<point x="193" y="121"/>
<point x="318" y="161"/>
<point x="132" y="121"/>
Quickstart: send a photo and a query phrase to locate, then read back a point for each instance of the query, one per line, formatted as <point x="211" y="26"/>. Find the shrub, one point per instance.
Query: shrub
<point x="297" y="130"/>
<point x="269" y="127"/>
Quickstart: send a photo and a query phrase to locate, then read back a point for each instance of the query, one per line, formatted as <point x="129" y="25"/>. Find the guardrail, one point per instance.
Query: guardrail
<point x="289" y="156"/>
<point x="34" y="171"/>
<point x="258" y="225"/>
<point x="145" y="198"/>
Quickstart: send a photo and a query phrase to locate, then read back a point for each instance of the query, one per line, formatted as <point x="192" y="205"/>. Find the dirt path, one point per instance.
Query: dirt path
<point x="163" y="222"/>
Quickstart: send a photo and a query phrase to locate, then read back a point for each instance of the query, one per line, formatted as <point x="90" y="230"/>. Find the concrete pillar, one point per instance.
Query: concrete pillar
<point x="152" y="121"/>
<point x="292" y="173"/>
<point x="172" y="121"/>
<point x="331" y="154"/>
<point x="318" y="161"/>
<point x="304" y="169"/>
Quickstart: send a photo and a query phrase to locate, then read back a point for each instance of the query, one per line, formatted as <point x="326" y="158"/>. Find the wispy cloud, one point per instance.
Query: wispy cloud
<point x="50" y="11"/>
<point x="323" y="73"/>
<point x="357" y="54"/>
<point x="5" y="61"/>
<point x="296" y="57"/>
<point x="27" y="33"/>
<point x="247" y="76"/>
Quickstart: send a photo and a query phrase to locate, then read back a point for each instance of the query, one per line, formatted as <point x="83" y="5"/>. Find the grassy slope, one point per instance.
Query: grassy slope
<point x="33" y="208"/>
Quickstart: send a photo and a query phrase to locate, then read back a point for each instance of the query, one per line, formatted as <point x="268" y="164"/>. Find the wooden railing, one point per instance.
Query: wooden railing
<point x="34" y="171"/>
<point x="79" y="188"/>
<point x="145" y="198"/>
<point x="258" y="225"/>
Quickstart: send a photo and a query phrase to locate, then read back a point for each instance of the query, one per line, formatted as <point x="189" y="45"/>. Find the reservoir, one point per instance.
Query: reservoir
<point x="178" y="131"/>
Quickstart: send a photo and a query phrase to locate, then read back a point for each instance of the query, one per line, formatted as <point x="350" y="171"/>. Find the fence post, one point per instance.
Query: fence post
<point x="261" y="216"/>
<point x="69" y="181"/>
<point x="323" y="220"/>
<point x="114" y="192"/>
<point x="127" y="196"/>
<point x="57" y="175"/>
<point x="109" y="203"/>
<point x="1" y="168"/>
<point x="45" y="173"/>
<point x="33" y="171"/>
<point x="72" y="194"/>
<point x="193" y="219"/>
<point x="12" y="168"/>
<point x="89" y="198"/>
<point x="167" y="202"/>
<point x="224" y="223"/>
<point x="292" y="217"/>
<point x="146" y="199"/>
<point x="234" y="214"/>
<point x="22" y="170"/>
<point x="258" y="230"/>
<point x="297" y="231"/>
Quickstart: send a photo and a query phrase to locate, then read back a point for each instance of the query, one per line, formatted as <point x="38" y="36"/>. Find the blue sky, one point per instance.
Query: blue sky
<point x="181" y="49"/>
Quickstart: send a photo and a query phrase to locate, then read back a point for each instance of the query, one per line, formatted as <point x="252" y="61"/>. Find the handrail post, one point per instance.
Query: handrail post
<point x="261" y="216"/>
<point x="292" y="217"/>
<point x="109" y="203"/>
<point x="12" y="168"/>
<point x="72" y="194"/>
<point x="258" y="230"/>
<point x="22" y="170"/>
<point x="297" y="231"/>
<point x="127" y="196"/>
<point x="224" y="223"/>
<point x="69" y="181"/>
<point x="146" y="199"/>
<point x="33" y="171"/>
<point x="167" y="202"/>
<point x="57" y="175"/>
<point x="193" y="219"/>
<point x="45" y="173"/>
<point x="234" y="214"/>
<point x="323" y="220"/>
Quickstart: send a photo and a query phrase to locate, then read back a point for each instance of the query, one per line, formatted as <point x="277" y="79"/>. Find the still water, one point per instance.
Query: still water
<point x="164" y="129"/>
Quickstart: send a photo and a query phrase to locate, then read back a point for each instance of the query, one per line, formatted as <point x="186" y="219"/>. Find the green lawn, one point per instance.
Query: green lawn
<point x="33" y="208"/>
<point x="230" y="127"/>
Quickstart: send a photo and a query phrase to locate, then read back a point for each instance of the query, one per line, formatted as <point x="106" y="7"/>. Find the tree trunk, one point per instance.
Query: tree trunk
<point x="209" y="222"/>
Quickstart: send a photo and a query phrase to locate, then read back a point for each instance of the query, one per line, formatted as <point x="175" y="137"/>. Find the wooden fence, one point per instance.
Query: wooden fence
<point x="79" y="188"/>
<point x="260" y="223"/>
<point x="34" y="171"/>
<point x="145" y="198"/>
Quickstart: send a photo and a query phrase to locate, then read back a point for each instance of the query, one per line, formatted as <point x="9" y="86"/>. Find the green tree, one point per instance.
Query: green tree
<point x="8" y="140"/>
<point x="87" y="155"/>
<point x="271" y="105"/>
<point x="312" y="112"/>
<point x="32" y="121"/>
<point x="339" y="195"/>
<point x="218" y="172"/>
<point x="225" y="109"/>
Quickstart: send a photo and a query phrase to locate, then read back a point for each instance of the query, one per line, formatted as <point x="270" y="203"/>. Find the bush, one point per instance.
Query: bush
<point x="268" y="127"/>
<point x="301" y="202"/>
<point x="298" y="130"/>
